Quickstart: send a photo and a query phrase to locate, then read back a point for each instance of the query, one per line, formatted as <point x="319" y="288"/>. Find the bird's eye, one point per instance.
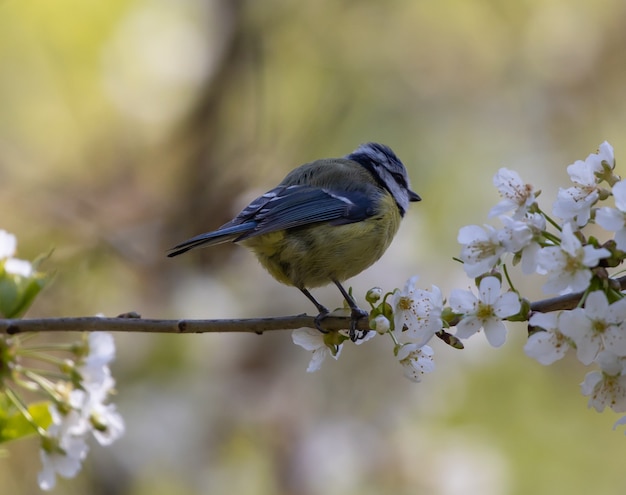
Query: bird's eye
<point x="399" y="178"/>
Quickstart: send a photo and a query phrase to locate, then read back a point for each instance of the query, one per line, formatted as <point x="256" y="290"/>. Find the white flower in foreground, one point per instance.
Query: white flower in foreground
<point x="515" y="235"/>
<point x="8" y="244"/>
<point x="516" y="194"/>
<point x="64" y="460"/>
<point x="417" y="313"/>
<point x="101" y="349"/>
<point x="522" y="236"/>
<point x="599" y="326"/>
<point x="21" y="268"/>
<point x="485" y="311"/>
<point x="481" y="249"/>
<point x="106" y="424"/>
<point x="81" y="411"/>
<point x="63" y="450"/>
<point x="313" y="340"/>
<point x="606" y="388"/>
<point x="605" y="154"/>
<point x="568" y="265"/>
<point x="93" y="368"/>
<point x="546" y="346"/>
<point x="416" y="361"/>
<point x="14" y="266"/>
<point x="614" y="219"/>
<point x="574" y="203"/>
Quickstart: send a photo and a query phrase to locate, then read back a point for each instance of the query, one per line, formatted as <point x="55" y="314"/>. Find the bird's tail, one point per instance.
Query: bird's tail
<point x="219" y="236"/>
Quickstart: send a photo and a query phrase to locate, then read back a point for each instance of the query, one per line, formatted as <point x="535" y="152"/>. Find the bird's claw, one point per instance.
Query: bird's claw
<point x="356" y="315"/>
<point x="319" y="318"/>
<point x="354" y="333"/>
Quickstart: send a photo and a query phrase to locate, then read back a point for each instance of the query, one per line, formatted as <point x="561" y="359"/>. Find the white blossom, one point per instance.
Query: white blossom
<point x="549" y="345"/>
<point x="313" y="340"/>
<point x="8" y="244"/>
<point x="63" y="449"/>
<point x="79" y="412"/>
<point x="574" y="203"/>
<point x="21" y="268"/>
<point x="93" y="368"/>
<point x="416" y="361"/>
<point x="66" y="461"/>
<point x="106" y="424"/>
<point x="596" y="327"/>
<point x="516" y="194"/>
<point x="417" y="313"/>
<point x="13" y="266"/>
<point x="605" y="154"/>
<point x="606" y="388"/>
<point x="521" y="236"/>
<point x="515" y="235"/>
<point x="614" y="219"/>
<point x="568" y="265"/>
<point x="481" y="249"/>
<point x="485" y="311"/>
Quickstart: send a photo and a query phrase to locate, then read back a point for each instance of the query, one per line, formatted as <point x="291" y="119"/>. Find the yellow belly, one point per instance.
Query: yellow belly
<point x="315" y="255"/>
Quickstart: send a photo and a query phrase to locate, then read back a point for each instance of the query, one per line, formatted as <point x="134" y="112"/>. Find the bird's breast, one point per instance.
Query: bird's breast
<point x="316" y="254"/>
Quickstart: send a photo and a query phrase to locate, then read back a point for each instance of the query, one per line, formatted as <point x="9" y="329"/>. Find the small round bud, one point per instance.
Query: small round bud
<point x="380" y="324"/>
<point x="373" y="295"/>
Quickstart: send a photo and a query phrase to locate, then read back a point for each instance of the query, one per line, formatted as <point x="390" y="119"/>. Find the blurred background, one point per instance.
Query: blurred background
<point x="128" y="126"/>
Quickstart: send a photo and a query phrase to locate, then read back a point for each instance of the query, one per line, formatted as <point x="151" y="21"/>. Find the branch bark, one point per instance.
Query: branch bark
<point x="132" y="322"/>
<point x="138" y="324"/>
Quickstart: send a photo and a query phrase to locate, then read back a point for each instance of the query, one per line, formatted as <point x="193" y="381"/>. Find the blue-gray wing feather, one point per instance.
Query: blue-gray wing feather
<point x="288" y="207"/>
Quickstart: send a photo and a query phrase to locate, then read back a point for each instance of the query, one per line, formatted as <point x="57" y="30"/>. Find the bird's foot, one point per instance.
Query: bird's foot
<point x="323" y="313"/>
<point x="356" y="315"/>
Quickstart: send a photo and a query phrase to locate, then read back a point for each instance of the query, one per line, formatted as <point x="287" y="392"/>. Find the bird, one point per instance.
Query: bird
<point x="327" y="221"/>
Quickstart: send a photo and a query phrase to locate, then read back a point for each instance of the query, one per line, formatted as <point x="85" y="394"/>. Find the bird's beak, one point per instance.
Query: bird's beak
<point x="413" y="196"/>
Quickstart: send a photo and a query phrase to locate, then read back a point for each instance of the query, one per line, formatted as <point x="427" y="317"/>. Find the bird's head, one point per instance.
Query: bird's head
<point x="388" y="171"/>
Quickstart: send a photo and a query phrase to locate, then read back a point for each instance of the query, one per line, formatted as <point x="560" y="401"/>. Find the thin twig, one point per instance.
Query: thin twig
<point x="123" y="324"/>
<point x="134" y="323"/>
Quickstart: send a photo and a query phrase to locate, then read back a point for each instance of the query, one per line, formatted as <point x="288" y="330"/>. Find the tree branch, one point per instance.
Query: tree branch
<point x="132" y="322"/>
<point x="135" y="323"/>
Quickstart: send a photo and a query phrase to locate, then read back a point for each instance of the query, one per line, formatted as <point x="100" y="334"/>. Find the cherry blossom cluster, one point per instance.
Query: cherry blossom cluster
<point x="556" y="247"/>
<point x="73" y="379"/>
<point x="75" y="383"/>
<point x="79" y="408"/>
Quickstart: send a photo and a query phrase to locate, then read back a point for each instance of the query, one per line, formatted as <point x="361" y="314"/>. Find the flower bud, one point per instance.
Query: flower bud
<point x="373" y="295"/>
<point x="380" y="324"/>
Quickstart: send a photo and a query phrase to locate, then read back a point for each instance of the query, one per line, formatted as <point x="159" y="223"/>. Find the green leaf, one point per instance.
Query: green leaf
<point x="17" y="293"/>
<point x="13" y="424"/>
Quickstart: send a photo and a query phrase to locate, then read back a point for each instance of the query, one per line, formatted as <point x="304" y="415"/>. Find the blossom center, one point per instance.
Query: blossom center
<point x="405" y="303"/>
<point x="572" y="264"/>
<point x="484" y="311"/>
<point x="599" y="326"/>
<point x="484" y="249"/>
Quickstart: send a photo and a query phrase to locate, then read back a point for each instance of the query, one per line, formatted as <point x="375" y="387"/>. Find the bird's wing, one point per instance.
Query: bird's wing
<point x="219" y="236"/>
<point x="294" y="206"/>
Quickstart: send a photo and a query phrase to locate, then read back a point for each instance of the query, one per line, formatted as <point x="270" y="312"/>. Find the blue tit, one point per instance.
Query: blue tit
<point x="327" y="221"/>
